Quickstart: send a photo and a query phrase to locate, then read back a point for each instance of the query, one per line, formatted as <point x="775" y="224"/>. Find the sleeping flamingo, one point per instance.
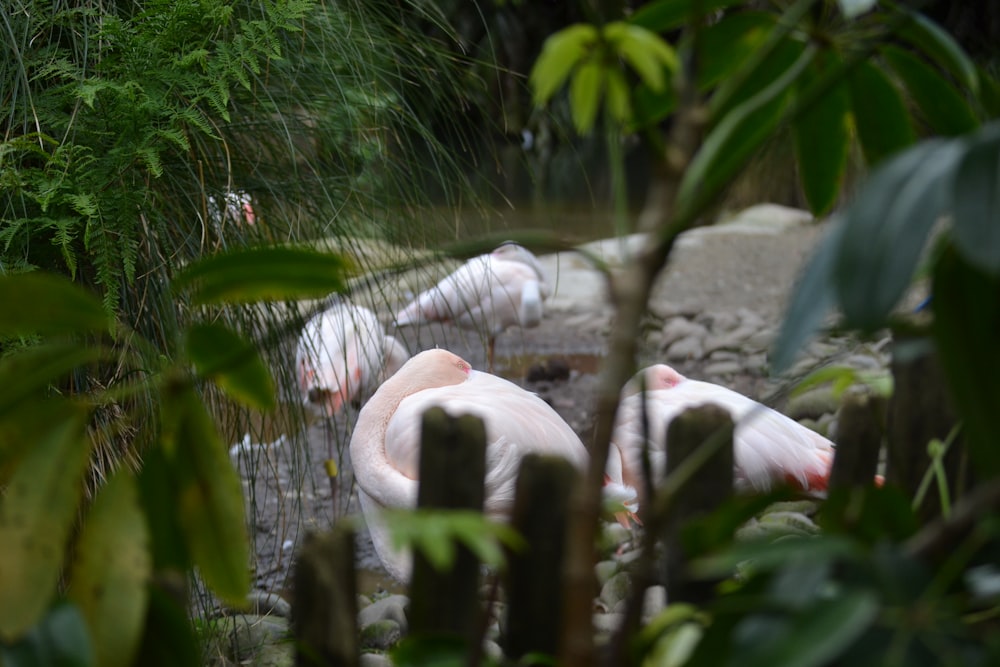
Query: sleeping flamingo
<point x="769" y="448"/>
<point x="342" y="355"/>
<point x="385" y="446"/>
<point x="489" y="293"/>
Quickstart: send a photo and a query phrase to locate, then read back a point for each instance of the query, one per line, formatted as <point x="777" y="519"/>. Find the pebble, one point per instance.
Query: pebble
<point x="392" y="608"/>
<point x="381" y="635"/>
<point x="689" y="348"/>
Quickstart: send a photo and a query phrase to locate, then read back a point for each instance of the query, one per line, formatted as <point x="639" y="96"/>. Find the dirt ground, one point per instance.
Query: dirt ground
<point x="751" y="263"/>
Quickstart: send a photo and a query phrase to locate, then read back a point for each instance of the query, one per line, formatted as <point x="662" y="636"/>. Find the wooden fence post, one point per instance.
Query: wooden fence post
<point x="325" y="609"/>
<point x="452" y="470"/>
<point x="920" y="411"/>
<point x="535" y="575"/>
<point x="707" y="487"/>
<point x="859" y="439"/>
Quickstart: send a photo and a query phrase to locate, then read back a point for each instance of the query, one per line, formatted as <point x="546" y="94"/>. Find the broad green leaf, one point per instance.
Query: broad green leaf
<point x="158" y="489"/>
<point x="617" y="99"/>
<point x="817" y="635"/>
<point x="650" y="106"/>
<point x="880" y="115"/>
<point x="989" y="93"/>
<point x="232" y="362"/>
<point x="436" y="532"/>
<point x="169" y="639"/>
<point x="209" y="496"/>
<point x="263" y="274"/>
<point x="942" y="106"/>
<point x="965" y="325"/>
<point x="561" y="52"/>
<point x="765" y="556"/>
<point x="648" y="55"/>
<point x="111" y="570"/>
<point x="26" y="374"/>
<point x="44" y="303"/>
<point x="976" y="200"/>
<point x="768" y="62"/>
<point x="37" y="511"/>
<point x="821" y="137"/>
<point x="725" y="45"/>
<point x="886" y="229"/>
<point x="60" y="639"/>
<point x="585" y="93"/>
<point x="663" y="16"/>
<point x="938" y="45"/>
<point x="735" y="138"/>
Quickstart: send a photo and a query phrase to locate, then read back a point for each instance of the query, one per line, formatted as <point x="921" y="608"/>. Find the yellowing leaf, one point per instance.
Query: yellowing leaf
<point x="617" y="100"/>
<point x="209" y="497"/>
<point x="645" y="51"/>
<point x="111" y="571"/>
<point x="37" y="511"/>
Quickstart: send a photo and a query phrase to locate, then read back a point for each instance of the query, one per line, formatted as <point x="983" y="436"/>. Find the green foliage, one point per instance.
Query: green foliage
<point x="435" y="533"/>
<point x="183" y="510"/>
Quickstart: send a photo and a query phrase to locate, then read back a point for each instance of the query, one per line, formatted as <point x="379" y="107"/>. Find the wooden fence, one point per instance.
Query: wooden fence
<point x="452" y="468"/>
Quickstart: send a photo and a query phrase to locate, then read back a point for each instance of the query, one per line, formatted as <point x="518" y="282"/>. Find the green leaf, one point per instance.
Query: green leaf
<point x="880" y="115"/>
<point x="111" y="569"/>
<point x="232" y="362"/>
<point x="650" y="106"/>
<point x="965" y="327"/>
<point x="263" y="274"/>
<point x="938" y="45"/>
<point x="43" y="303"/>
<point x="989" y="94"/>
<point x="561" y="52"/>
<point x="816" y="635"/>
<point x="942" y="106"/>
<point x="648" y="55"/>
<point x="60" y="639"/>
<point x="768" y="555"/>
<point x="886" y="229"/>
<point x="821" y="137"/>
<point x="585" y="94"/>
<point x="617" y="99"/>
<point x="37" y="512"/>
<point x="725" y="45"/>
<point x="663" y="16"/>
<point x="735" y="138"/>
<point x="436" y="532"/>
<point x="209" y="504"/>
<point x="169" y="639"/>
<point x="26" y="374"/>
<point x="976" y="200"/>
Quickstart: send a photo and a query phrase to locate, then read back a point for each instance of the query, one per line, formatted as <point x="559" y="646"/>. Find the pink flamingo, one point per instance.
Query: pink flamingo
<point x="237" y="208"/>
<point x="769" y="448"/>
<point x="489" y="293"/>
<point x="385" y="445"/>
<point x="342" y="355"/>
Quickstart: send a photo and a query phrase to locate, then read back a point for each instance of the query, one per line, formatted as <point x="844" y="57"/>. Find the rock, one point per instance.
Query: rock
<point x="686" y="349"/>
<point x="604" y="570"/>
<point x="374" y="660"/>
<point x="272" y="604"/>
<point x="615" y="589"/>
<point x="607" y="623"/>
<point x="391" y="608"/>
<point x="243" y="636"/>
<point x="723" y="368"/>
<point x="760" y="341"/>
<point x="381" y="635"/>
<point x="812" y="403"/>
<point x="719" y="322"/>
<point x="677" y="328"/>
<point x="493" y="652"/>
<point x="653" y="602"/>
<point x="275" y="655"/>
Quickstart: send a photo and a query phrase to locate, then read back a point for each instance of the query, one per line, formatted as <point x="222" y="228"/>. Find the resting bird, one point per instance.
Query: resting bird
<point x="489" y="293"/>
<point x="385" y="446"/>
<point x="342" y="355"/>
<point x="769" y="448"/>
<point x="237" y="208"/>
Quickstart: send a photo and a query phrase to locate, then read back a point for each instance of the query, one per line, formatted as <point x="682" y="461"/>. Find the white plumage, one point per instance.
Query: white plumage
<point x="769" y="448"/>
<point x="489" y="294"/>
<point x="385" y="446"/>
<point x="343" y="354"/>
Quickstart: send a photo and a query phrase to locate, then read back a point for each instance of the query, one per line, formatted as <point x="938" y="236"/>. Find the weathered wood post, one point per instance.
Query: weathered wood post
<point x="920" y="410"/>
<point x="859" y="439"/>
<point x="535" y="575"/>
<point x="700" y="460"/>
<point x="325" y="609"/>
<point x="452" y="470"/>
